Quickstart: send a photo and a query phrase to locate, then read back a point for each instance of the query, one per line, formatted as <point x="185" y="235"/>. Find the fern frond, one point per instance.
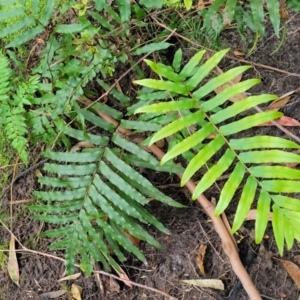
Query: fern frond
<point x="12" y="107"/>
<point x="21" y="22"/>
<point x="294" y="4"/>
<point x="104" y="197"/>
<point x="267" y="181"/>
<point x="250" y="15"/>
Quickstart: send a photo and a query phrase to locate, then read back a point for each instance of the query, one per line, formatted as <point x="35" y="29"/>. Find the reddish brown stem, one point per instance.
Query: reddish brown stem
<point x="226" y="238"/>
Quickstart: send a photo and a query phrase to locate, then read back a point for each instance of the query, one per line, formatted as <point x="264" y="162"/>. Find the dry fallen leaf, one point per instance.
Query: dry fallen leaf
<point x="281" y="102"/>
<point x="200" y="258"/>
<point x="283" y="121"/>
<point x="134" y="240"/>
<point x="282" y="295"/>
<point x="70" y="277"/>
<point x="113" y="287"/>
<point x="118" y="87"/>
<point x="53" y="295"/>
<point x="80" y="145"/>
<point x="212" y="136"/>
<point x="202" y="4"/>
<point x="252" y="215"/>
<point x="277" y="104"/>
<point x="76" y="291"/>
<point x="283" y="10"/>
<point x="12" y="266"/>
<point x="206" y="283"/>
<point x="123" y="275"/>
<point x="238" y="53"/>
<point x="293" y="271"/>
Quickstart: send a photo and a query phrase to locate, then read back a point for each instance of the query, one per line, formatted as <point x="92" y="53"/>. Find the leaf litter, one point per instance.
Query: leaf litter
<point x="70" y="277"/>
<point x="200" y="258"/>
<point x="206" y="283"/>
<point x="13" y="266"/>
<point x="293" y="271"/>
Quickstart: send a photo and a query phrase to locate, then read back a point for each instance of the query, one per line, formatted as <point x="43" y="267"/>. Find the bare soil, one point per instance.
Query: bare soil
<point x="189" y="227"/>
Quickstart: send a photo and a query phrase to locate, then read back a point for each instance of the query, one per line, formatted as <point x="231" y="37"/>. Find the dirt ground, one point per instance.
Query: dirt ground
<point x="190" y="228"/>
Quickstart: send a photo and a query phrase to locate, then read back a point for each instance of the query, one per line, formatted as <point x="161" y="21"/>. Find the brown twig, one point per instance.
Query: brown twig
<point x="226" y="238"/>
<point x="17" y="202"/>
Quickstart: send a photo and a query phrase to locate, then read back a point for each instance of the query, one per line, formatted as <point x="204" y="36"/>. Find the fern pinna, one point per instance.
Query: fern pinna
<point x="256" y="164"/>
<point x="97" y="198"/>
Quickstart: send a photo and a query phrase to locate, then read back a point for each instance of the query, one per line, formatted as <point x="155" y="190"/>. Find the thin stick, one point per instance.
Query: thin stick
<point x="11" y="165"/>
<point x="16" y="202"/>
<point x="11" y="190"/>
<point x="227" y="243"/>
<point x="24" y="249"/>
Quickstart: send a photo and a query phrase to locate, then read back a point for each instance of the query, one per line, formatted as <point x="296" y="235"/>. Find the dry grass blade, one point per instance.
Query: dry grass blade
<point x="252" y="215"/>
<point x="13" y="266"/>
<point x="293" y="271"/>
<point x="53" y="295"/>
<point x="123" y="275"/>
<point x="280" y="103"/>
<point x="206" y="283"/>
<point x="76" y="291"/>
<point x="202" y="4"/>
<point x="200" y="258"/>
<point x="70" y="277"/>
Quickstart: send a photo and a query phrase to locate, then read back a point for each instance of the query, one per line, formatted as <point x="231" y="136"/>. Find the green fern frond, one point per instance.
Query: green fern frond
<point x="12" y="107"/>
<point x="294" y="4"/>
<point x="21" y="22"/>
<point x="260" y="170"/>
<point x="250" y="15"/>
<point x="102" y="201"/>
